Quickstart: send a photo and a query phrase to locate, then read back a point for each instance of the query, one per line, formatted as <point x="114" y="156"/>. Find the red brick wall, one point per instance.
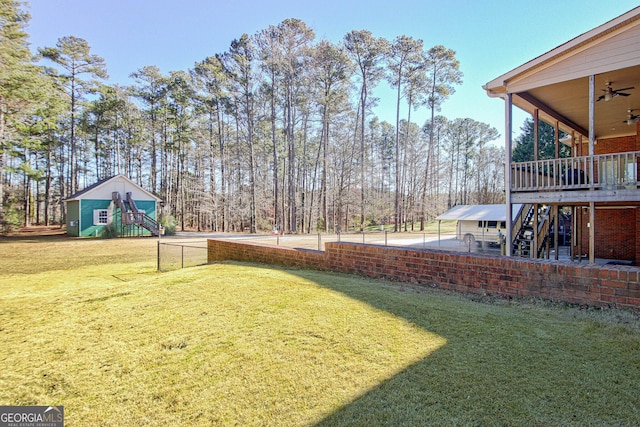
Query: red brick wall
<point x="637" y="260"/>
<point x="221" y="250"/>
<point x="616" y="145"/>
<point x="599" y="285"/>
<point x="616" y="233"/>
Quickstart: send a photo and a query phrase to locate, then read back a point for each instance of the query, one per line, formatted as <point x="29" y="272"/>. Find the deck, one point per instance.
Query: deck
<point x="574" y="180"/>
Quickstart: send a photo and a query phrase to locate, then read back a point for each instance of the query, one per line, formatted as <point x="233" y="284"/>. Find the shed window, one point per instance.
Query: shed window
<point x="100" y="217"/>
<point x="492" y="224"/>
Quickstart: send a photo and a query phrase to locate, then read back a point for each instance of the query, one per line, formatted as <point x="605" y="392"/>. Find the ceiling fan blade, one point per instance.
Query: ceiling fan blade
<point x="600" y="98"/>
<point x="624" y="88"/>
<point x="623" y="94"/>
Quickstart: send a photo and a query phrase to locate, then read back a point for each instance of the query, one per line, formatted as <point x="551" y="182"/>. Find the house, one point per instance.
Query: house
<point x="116" y="200"/>
<point x="589" y="88"/>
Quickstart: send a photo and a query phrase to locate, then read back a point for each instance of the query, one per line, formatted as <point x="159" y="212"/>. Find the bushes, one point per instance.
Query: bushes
<point x="11" y="219"/>
<point x="110" y="231"/>
<point x="168" y="222"/>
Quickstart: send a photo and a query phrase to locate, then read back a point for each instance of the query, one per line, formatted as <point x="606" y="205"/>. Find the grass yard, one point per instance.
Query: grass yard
<point x="89" y="324"/>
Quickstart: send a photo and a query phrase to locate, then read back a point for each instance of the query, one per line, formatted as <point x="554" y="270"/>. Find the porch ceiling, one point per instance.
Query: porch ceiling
<point x="569" y="101"/>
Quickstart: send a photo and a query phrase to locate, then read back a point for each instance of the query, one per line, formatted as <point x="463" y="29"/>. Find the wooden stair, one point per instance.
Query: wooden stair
<point x="525" y="235"/>
<point x="130" y="215"/>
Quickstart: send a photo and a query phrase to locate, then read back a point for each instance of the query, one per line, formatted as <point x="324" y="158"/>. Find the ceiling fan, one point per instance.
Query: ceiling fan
<point x="631" y="118"/>
<point x="610" y="93"/>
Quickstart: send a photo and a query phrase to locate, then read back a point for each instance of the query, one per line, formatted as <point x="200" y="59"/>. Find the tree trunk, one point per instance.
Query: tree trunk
<point x="73" y="170"/>
<point x="47" y="188"/>
<point x="2" y="150"/>
<point x="154" y="166"/>
<point x="291" y="176"/>
<point x="362" y="155"/>
<point x="252" y="179"/>
<point x="323" y="179"/>
<point x="277" y="222"/>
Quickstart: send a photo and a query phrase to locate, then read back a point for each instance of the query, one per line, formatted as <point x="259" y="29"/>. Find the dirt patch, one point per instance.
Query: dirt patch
<point x="37" y="231"/>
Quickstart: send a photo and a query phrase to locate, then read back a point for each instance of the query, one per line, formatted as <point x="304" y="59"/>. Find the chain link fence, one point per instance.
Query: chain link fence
<point x="445" y="240"/>
<point x="184" y="252"/>
<point x="176" y="255"/>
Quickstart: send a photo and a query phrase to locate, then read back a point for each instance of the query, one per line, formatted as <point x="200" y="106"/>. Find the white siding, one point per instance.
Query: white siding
<point x="619" y="50"/>
<point x="121" y="185"/>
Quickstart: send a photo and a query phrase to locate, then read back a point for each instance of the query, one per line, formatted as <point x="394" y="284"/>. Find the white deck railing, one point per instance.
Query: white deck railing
<point x="604" y="171"/>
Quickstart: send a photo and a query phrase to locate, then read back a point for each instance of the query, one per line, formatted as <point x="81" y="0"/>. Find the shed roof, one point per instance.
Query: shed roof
<point x="86" y="192"/>
<point x="477" y="213"/>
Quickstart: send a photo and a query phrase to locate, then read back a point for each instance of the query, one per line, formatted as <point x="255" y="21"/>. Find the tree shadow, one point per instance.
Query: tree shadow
<point x="36" y="234"/>
<point x="33" y="252"/>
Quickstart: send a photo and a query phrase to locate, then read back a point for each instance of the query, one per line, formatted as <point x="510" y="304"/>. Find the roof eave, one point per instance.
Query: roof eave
<point x="75" y="197"/>
<point x="499" y="86"/>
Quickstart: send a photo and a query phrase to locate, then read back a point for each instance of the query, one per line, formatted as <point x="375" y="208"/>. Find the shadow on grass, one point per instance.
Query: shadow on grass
<point x="503" y="364"/>
<point x="38" y="252"/>
<point x="36" y="235"/>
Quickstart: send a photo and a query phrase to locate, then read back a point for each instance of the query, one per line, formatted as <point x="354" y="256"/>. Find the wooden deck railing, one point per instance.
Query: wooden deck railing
<point x="604" y="171"/>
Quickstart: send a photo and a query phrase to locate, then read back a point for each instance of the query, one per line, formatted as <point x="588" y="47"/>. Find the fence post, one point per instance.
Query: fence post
<point x="158" y="254"/>
<point x="182" y="247"/>
<point x="319" y="242"/>
<point x="363" y="237"/>
<point x="385" y="237"/>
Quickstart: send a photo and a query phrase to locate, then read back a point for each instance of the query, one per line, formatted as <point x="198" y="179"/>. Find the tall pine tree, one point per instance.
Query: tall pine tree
<point x="20" y="82"/>
<point x="73" y="55"/>
<point x="524" y="143"/>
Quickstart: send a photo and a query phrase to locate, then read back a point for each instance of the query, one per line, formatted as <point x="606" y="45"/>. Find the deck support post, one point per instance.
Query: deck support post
<point x="533" y="252"/>
<point x="556" y="229"/>
<point x="592" y="232"/>
<point x="592" y="141"/>
<point x="508" y="115"/>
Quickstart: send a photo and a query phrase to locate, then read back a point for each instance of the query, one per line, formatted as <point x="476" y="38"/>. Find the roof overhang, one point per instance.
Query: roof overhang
<point x="557" y="82"/>
<point x="83" y="194"/>
<point x="477" y="213"/>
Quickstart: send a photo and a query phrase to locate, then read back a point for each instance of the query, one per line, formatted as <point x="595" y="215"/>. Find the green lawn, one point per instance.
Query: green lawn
<point x="89" y="324"/>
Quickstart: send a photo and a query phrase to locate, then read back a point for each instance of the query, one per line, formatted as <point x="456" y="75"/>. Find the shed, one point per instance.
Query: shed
<point x="115" y="200"/>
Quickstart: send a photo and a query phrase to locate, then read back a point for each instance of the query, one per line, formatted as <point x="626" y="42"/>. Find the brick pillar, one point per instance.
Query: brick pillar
<point x="636" y="261"/>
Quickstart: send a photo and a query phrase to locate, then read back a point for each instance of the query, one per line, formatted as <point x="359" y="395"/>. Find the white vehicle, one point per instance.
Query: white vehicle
<point x="479" y="224"/>
<point x="480" y="231"/>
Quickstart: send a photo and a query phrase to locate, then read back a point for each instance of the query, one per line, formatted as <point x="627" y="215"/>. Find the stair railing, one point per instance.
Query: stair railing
<point x="134" y="216"/>
<point x="517" y="228"/>
<point x="544" y="229"/>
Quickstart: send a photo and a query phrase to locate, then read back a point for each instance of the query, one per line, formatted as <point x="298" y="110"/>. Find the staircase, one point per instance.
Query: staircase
<point x="545" y="238"/>
<point x="524" y="234"/>
<point x="130" y="215"/>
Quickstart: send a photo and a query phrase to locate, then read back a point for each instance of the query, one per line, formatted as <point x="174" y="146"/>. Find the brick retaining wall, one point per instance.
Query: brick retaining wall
<point x="591" y="284"/>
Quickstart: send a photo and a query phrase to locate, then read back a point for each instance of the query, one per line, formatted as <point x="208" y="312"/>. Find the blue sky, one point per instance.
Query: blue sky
<point x="490" y="37"/>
